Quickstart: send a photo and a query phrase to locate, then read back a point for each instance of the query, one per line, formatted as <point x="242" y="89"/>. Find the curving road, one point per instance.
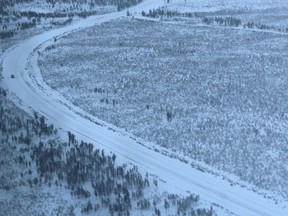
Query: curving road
<point x="30" y="92"/>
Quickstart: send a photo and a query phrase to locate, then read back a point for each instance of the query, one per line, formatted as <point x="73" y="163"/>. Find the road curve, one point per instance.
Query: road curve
<point x="31" y="93"/>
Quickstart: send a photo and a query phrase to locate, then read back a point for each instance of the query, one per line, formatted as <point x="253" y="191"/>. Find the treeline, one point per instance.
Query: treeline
<point x="160" y="12"/>
<point x="121" y="4"/>
<point x="33" y="14"/>
<point x="39" y="15"/>
<point x="225" y="21"/>
<point x="27" y="25"/>
<point x="11" y="3"/>
<point x="7" y="34"/>
<point x="252" y="25"/>
<point x="235" y="22"/>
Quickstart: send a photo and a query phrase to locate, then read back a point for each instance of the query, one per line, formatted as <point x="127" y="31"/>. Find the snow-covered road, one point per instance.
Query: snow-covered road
<point x="31" y="93"/>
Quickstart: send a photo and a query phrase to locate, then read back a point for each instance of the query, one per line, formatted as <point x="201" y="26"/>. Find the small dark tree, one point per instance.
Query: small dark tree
<point x="166" y="204"/>
<point x="157" y="212"/>
<point x="169" y="116"/>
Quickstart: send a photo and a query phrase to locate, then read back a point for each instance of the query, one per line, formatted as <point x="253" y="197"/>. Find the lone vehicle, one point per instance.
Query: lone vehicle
<point x="12" y="76"/>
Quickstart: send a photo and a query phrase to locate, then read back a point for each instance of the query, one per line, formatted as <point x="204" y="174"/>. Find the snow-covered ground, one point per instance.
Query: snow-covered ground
<point x="195" y="73"/>
<point x="221" y="5"/>
<point x="30" y="92"/>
